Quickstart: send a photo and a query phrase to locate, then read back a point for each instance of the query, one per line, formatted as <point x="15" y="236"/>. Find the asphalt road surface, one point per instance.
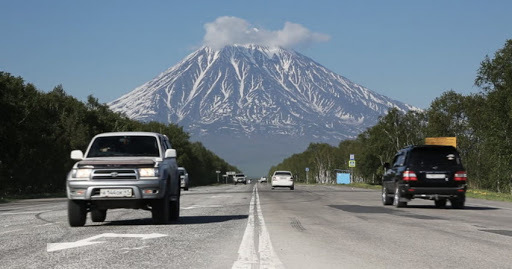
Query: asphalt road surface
<point x="252" y="226"/>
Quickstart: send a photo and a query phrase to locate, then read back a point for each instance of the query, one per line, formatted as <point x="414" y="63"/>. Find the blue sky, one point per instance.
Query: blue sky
<point x="411" y="51"/>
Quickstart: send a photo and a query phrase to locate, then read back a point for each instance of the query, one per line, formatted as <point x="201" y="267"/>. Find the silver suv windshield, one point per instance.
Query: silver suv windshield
<point x="124" y="146"/>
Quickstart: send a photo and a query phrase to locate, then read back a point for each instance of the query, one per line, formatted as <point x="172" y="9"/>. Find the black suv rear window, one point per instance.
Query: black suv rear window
<point x="434" y="156"/>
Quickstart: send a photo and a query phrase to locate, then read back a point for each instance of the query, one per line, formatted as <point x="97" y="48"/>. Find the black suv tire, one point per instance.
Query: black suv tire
<point x="458" y="203"/>
<point x="441" y="203"/>
<point x="386" y="199"/>
<point x="396" y="199"/>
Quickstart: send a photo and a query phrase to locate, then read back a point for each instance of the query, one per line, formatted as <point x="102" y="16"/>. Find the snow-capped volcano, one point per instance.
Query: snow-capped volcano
<point x="250" y="89"/>
<point x="256" y="91"/>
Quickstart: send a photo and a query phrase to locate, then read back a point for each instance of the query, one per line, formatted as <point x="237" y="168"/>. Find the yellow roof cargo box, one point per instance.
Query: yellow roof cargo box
<point x="441" y="141"/>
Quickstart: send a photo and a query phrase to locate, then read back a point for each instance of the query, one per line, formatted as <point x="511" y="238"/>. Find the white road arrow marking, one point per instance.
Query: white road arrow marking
<point x="60" y="246"/>
<point x="89" y="241"/>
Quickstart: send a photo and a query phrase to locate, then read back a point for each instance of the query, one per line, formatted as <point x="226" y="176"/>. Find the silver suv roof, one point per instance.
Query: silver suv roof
<point x="128" y="133"/>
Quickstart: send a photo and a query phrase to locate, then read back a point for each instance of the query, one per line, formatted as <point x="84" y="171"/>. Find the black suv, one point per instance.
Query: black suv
<point x="427" y="172"/>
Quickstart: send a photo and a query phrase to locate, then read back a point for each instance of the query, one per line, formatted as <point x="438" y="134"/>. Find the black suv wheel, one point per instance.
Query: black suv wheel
<point x="386" y="199"/>
<point x="458" y="203"/>
<point x="396" y="199"/>
<point x="441" y="203"/>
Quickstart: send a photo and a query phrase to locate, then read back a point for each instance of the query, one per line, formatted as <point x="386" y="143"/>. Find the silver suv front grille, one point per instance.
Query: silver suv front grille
<point x="114" y="174"/>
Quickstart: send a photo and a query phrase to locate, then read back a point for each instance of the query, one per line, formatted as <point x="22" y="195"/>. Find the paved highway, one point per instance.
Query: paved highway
<point x="244" y="226"/>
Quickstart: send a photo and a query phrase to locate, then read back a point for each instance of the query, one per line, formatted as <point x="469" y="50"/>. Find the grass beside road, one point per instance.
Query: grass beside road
<point x="10" y="198"/>
<point x="365" y="186"/>
<point x="489" y="195"/>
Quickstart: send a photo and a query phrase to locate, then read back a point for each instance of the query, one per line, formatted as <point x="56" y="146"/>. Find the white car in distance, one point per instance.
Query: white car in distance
<point x="240" y="178"/>
<point x="184" y="180"/>
<point x="282" y="179"/>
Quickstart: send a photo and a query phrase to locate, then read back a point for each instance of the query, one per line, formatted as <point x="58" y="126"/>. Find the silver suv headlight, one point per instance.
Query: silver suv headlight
<point x="81" y="174"/>
<point x="148" y="172"/>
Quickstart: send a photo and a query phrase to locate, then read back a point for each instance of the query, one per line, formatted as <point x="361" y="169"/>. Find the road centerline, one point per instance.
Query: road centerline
<point x="256" y="249"/>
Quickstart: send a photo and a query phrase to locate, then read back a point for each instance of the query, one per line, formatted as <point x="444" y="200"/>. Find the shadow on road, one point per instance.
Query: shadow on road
<point x="391" y="210"/>
<point x="184" y="220"/>
<point x="449" y="207"/>
<point x="209" y="219"/>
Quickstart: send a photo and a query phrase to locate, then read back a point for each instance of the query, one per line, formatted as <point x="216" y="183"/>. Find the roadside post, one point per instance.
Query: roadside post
<point x="351" y="165"/>
<point x="218" y="173"/>
<point x="307" y="178"/>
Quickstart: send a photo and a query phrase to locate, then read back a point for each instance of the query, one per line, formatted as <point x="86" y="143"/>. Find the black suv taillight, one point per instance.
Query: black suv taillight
<point x="409" y="176"/>
<point x="460" y="176"/>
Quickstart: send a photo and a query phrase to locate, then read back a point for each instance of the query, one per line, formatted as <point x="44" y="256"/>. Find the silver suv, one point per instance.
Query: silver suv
<point x="135" y="170"/>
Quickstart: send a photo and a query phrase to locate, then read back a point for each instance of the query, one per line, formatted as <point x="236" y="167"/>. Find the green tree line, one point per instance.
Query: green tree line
<point x="38" y="131"/>
<point x="482" y="123"/>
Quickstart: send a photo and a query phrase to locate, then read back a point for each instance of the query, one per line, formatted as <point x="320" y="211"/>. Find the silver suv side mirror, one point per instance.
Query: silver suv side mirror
<point x="77" y="155"/>
<point x="170" y="153"/>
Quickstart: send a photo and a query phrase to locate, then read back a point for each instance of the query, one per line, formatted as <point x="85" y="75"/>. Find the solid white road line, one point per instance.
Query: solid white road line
<point x="261" y="255"/>
<point x="268" y="257"/>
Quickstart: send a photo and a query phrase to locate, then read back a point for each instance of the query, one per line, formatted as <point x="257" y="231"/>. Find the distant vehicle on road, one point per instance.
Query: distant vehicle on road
<point x="427" y="172"/>
<point x="240" y="178"/>
<point x="283" y="179"/>
<point x="184" y="180"/>
<point x="263" y="180"/>
<point x="135" y="170"/>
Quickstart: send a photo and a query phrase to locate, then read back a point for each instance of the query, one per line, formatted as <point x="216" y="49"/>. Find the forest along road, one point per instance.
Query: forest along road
<point x="252" y="226"/>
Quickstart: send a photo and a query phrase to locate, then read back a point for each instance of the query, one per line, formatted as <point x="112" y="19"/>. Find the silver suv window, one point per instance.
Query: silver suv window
<point x="110" y="146"/>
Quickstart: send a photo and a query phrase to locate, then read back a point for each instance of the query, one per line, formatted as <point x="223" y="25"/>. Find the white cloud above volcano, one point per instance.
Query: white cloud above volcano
<point x="232" y="30"/>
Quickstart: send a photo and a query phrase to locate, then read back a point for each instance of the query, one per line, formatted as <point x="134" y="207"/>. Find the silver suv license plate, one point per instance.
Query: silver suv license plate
<point x="116" y="192"/>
